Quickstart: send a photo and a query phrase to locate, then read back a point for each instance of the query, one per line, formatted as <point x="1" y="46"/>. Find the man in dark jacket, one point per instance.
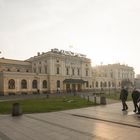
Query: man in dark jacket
<point x="123" y="97"/>
<point x="135" y="97"/>
<point x="138" y="102"/>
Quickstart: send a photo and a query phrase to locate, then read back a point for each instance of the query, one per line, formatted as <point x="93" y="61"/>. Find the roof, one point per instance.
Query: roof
<point x="11" y="61"/>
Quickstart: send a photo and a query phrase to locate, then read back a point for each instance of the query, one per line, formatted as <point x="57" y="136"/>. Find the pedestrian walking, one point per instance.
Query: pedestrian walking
<point x="138" y="102"/>
<point x="135" y="97"/>
<point x="123" y="98"/>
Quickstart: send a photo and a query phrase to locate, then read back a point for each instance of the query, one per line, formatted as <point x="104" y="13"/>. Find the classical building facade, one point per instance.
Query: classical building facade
<point x="56" y="70"/>
<point x="112" y="76"/>
<point x="60" y="71"/>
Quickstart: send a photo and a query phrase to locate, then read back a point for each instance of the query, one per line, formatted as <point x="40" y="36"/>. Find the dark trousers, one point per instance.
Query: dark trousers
<point x="135" y="105"/>
<point x="124" y="104"/>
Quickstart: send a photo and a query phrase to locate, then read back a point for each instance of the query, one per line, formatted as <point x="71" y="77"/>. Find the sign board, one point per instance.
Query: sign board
<point x="55" y="50"/>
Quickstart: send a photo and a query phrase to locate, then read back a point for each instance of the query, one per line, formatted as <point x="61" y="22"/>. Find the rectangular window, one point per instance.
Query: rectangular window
<point x="86" y="72"/>
<point x="58" y="84"/>
<point x="73" y="71"/>
<point x="46" y="70"/>
<point x="39" y="69"/>
<point x="87" y="84"/>
<point x="57" y="70"/>
<point x="67" y="71"/>
<point x="78" y="71"/>
<point x="34" y="70"/>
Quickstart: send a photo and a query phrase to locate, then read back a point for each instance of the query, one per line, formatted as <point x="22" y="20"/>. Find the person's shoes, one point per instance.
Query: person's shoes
<point x="123" y="109"/>
<point x="126" y="108"/>
<point x="135" y="110"/>
<point x="138" y="113"/>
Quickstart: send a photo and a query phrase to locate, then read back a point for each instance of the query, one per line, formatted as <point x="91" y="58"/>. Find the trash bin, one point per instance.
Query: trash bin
<point x="103" y="100"/>
<point x="16" y="110"/>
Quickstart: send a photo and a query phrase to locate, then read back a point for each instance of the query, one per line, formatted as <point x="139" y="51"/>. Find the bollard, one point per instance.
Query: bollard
<point x="16" y="110"/>
<point x="47" y="95"/>
<point x="103" y="100"/>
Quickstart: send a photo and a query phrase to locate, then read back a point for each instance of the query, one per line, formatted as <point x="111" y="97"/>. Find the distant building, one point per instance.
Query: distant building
<point x="137" y="81"/>
<point x="45" y="73"/>
<point x="112" y="76"/>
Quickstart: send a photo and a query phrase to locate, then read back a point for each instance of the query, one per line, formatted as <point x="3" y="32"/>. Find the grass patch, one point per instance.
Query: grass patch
<point x="46" y="105"/>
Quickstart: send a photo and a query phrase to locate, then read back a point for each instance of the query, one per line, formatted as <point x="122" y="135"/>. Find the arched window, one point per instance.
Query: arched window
<point x="34" y="84"/>
<point x="11" y="84"/>
<point x="23" y="84"/>
<point x="44" y="84"/>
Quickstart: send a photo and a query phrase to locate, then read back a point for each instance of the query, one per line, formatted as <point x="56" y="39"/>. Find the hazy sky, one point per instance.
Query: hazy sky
<point x="106" y="31"/>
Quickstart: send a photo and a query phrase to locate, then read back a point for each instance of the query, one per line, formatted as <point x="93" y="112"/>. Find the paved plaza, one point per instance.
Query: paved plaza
<point x="104" y="122"/>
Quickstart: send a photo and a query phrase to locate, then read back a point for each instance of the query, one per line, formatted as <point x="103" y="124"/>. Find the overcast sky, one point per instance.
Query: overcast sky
<point x="107" y="31"/>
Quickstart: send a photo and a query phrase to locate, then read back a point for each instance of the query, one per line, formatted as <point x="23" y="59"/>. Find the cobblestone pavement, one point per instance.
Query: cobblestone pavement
<point x="104" y="122"/>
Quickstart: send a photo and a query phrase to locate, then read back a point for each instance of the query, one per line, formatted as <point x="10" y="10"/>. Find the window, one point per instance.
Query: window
<point x="96" y="84"/>
<point x="11" y="84"/>
<point x="57" y="70"/>
<point x="39" y="69"/>
<point x="72" y="71"/>
<point x="78" y="71"/>
<point x="113" y="84"/>
<point x="93" y="84"/>
<point x="119" y="84"/>
<point x="111" y="74"/>
<point x="34" y="84"/>
<point x="67" y="71"/>
<point x="86" y="72"/>
<point x="23" y="84"/>
<point x="87" y="84"/>
<point x="105" y="84"/>
<point x="101" y="84"/>
<point x="109" y="85"/>
<point x="34" y="70"/>
<point x="58" y="83"/>
<point x="46" y="69"/>
<point x="44" y="84"/>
